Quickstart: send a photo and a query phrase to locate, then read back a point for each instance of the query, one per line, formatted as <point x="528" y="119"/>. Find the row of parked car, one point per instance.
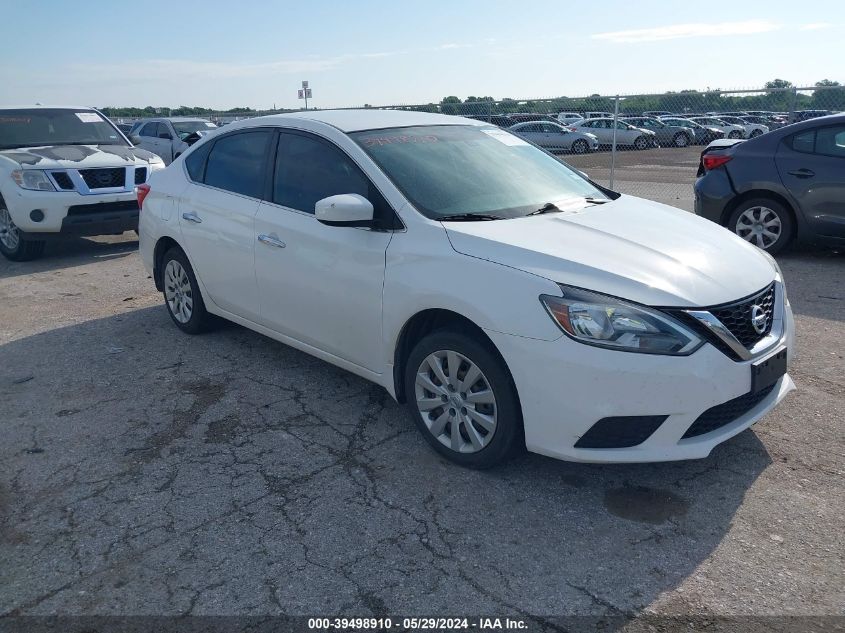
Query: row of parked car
<point x="580" y="133"/>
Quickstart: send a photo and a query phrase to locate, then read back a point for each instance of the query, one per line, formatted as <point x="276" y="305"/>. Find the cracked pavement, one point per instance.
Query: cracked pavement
<point x="143" y="471"/>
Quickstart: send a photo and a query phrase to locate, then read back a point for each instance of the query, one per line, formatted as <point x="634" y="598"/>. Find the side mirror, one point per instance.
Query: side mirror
<point x="347" y="209"/>
<point x="135" y="139"/>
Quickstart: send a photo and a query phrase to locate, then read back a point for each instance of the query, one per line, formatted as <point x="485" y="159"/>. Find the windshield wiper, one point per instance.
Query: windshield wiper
<point x="469" y="217"/>
<point x="549" y="207"/>
<point x="597" y="200"/>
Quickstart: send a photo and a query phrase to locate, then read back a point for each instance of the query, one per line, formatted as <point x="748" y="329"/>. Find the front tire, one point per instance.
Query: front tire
<point x="463" y="399"/>
<point x="641" y="142"/>
<point x="681" y="140"/>
<point x="735" y="134"/>
<point x="13" y="246"/>
<point x="756" y="133"/>
<point x="182" y="293"/>
<point x="764" y="222"/>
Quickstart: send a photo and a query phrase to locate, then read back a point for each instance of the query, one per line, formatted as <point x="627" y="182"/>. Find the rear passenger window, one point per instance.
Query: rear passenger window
<point x="150" y="129"/>
<point x="236" y="163"/>
<point x="830" y="141"/>
<point x="195" y="162"/>
<point x="804" y="142"/>
<point x="308" y="170"/>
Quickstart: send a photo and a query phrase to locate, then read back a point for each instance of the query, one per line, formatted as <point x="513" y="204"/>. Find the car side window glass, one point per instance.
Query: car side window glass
<point x="830" y="141"/>
<point x="150" y="129"/>
<point x="804" y="142"/>
<point x="236" y="163"/>
<point x="308" y="170"/>
<point x="195" y="162"/>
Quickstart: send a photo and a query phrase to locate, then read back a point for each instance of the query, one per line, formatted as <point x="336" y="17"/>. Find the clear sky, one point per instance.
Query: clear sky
<point x="223" y="54"/>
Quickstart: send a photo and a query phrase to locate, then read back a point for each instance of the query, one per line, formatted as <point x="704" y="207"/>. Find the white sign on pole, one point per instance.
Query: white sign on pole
<point x="305" y="84"/>
<point x="308" y="93"/>
<point x="301" y="94"/>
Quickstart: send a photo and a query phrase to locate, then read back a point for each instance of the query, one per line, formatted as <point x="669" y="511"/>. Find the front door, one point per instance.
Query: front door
<point x="321" y="285"/>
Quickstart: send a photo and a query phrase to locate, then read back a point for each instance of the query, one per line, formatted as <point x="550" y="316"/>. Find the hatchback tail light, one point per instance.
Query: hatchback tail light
<point x="712" y="161"/>
<point x="141" y="191"/>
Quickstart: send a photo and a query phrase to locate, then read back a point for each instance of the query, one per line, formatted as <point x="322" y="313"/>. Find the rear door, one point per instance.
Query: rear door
<point x="811" y="164"/>
<point x="149" y="138"/>
<point x="217" y="216"/>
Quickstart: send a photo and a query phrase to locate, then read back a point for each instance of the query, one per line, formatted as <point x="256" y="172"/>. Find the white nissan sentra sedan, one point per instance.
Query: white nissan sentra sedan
<point x="505" y="298"/>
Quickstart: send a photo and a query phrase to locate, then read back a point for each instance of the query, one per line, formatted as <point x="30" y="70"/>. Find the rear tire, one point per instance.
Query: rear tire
<point x="764" y="222"/>
<point x="681" y="140"/>
<point x="580" y="147"/>
<point x="468" y="398"/>
<point x="182" y="295"/>
<point x="13" y="245"/>
<point x="756" y="133"/>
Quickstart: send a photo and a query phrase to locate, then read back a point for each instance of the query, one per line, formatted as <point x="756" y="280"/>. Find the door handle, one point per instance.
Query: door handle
<point x="271" y="240"/>
<point x="192" y="217"/>
<point x="802" y="173"/>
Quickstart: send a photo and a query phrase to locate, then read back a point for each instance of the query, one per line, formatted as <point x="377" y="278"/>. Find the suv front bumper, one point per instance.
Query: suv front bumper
<point x="69" y="213"/>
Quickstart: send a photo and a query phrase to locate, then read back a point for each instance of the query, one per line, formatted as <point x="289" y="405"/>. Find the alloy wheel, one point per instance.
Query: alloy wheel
<point x="580" y="147"/>
<point x="681" y="140"/>
<point x="759" y="225"/>
<point x="178" y="292"/>
<point x="456" y="401"/>
<point x="9" y="235"/>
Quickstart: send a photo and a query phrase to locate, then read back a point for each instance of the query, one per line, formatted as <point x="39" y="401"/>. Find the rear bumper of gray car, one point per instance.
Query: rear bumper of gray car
<point x="713" y="194"/>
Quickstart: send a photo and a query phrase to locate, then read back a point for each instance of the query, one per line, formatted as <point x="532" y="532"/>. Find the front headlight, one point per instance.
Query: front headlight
<point x="596" y="319"/>
<point x="32" y="179"/>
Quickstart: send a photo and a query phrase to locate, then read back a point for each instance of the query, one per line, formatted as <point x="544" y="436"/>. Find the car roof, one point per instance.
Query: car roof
<point x="46" y="107"/>
<point x="368" y="119"/>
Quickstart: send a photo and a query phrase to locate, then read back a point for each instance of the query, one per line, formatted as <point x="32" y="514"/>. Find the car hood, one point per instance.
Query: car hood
<point x="635" y="249"/>
<point x="76" y="156"/>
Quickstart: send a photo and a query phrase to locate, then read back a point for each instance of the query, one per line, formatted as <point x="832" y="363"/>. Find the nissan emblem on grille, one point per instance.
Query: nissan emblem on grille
<point x="759" y="320"/>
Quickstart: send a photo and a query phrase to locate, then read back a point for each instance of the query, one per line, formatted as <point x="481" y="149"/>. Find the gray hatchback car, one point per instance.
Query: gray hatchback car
<point x="784" y="185"/>
<point x="667" y="133"/>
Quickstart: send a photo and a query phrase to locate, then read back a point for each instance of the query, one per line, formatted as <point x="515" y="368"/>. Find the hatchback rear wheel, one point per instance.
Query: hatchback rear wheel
<point x="764" y="222"/>
<point x="463" y="399"/>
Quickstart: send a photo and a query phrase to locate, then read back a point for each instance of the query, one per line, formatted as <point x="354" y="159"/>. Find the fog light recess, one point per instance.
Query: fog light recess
<point x="36" y="215"/>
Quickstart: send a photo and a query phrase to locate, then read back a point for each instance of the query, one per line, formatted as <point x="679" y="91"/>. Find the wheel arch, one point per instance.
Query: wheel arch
<point x="164" y="244"/>
<point x="425" y="322"/>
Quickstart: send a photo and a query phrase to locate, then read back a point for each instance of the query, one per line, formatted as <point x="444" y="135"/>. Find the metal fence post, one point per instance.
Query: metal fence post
<point x="613" y="148"/>
<point x="793" y="106"/>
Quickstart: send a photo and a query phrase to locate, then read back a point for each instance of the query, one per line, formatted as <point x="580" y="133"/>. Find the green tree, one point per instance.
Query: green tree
<point x="449" y="105"/>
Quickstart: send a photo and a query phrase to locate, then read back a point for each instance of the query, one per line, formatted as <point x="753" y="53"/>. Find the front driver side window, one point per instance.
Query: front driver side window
<point x="308" y="170"/>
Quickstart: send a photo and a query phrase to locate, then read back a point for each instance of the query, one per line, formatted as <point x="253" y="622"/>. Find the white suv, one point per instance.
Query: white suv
<point x="65" y="171"/>
<point x="507" y="299"/>
<point x="170" y="137"/>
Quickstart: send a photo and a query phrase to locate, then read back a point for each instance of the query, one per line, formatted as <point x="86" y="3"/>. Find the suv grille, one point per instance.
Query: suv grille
<point x="737" y="316"/>
<point x="725" y="413"/>
<point x="104" y="178"/>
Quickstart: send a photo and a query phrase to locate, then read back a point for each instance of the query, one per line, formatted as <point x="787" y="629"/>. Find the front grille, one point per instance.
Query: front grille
<point x="725" y="413"/>
<point x="104" y="178"/>
<point x="103" y="207"/>
<point x="63" y="180"/>
<point x="620" y="431"/>
<point x="737" y="316"/>
<point x="140" y="175"/>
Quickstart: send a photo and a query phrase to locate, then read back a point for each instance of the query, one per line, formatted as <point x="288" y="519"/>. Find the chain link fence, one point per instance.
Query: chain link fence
<point x="646" y="145"/>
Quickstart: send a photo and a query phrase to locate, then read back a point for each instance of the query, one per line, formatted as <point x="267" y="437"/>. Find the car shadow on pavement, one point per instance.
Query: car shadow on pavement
<point x="71" y="252"/>
<point x="816" y="276"/>
<point x="146" y="471"/>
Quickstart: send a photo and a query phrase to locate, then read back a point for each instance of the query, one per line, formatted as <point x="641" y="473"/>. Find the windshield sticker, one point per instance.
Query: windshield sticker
<point x="88" y="117"/>
<point x="14" y="119"/>
<point x="504" y="137"/>
<point x="391" y="140"/>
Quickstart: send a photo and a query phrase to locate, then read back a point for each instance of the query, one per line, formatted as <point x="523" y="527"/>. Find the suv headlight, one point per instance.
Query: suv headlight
<point x="32" y="179"/>
<point x="604" y="321"/>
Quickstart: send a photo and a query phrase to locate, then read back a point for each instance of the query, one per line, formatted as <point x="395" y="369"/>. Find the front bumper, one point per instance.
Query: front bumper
<point x="566" y="387"/>
<point x="72" y="213"/>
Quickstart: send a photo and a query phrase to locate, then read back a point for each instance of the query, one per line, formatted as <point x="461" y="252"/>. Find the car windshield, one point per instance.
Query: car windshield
<point x="454" y="170"/>
<point x="39" y="127"/>
<point x="185" y="128"/>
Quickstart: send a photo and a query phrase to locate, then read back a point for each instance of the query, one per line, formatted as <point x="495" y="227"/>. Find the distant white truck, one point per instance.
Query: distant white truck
<point x="65" y="171"/>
